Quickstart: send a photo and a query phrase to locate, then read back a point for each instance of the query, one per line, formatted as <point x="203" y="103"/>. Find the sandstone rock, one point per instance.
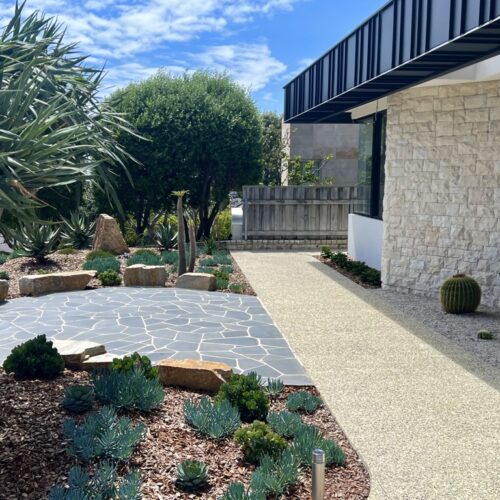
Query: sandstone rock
<point x="98" y="362"/>
<point x="38" y="284"/>
<point x="142" y="275"/>
<point x="4" y="289"/>
<point x="197" y="281"/>
<point x="194" y="374"/>
<point x="108" y="236"/>
<point x="75" y="352"/>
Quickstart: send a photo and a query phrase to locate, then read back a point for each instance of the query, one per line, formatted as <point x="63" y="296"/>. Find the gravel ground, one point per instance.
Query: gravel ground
<point x="33" y="449"/>
<point x="460" y="328"/>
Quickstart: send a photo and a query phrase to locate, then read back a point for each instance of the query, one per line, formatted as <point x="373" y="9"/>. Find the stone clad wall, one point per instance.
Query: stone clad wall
<point x="442" y="191"/>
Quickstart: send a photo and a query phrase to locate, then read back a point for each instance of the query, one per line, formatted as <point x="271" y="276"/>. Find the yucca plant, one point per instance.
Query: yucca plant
<point x="35" y="240"/>
<point x="77" y="231"/>
<point x="192" y="475"/>
<point x="54" y="131"/>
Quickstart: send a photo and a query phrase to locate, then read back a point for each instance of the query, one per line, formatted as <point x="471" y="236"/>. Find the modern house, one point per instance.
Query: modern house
<point x="422" y="78"/>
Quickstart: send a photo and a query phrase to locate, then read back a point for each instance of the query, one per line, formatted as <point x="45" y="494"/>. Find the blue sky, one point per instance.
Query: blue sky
<point x="261" y="43"/>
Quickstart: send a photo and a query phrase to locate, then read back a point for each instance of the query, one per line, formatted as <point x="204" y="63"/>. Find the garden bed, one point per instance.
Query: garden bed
<point x="58" y="262"/>
<point x="33" y="449"/>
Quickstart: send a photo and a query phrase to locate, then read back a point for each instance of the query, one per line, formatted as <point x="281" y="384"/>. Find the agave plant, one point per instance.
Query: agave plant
<point x="77" y="231"/>
<point x="166" y="236"/>
<point x="53" y="129"/>
<point x="35" y="240"/>
<point x="192" y="475"/>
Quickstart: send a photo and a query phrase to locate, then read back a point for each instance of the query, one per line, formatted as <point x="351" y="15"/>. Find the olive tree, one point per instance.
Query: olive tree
<point x="203" y="135"/>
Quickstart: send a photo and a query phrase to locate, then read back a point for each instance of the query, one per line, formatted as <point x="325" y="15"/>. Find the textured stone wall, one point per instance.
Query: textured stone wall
<point x="442" y="193"/>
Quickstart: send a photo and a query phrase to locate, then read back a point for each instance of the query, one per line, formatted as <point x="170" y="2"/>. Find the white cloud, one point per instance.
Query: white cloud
<point x="251" y="65"/>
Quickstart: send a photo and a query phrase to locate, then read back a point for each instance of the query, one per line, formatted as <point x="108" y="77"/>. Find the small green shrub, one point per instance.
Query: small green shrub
<point x="258" y="440"/>
<point x="227" y="269"/>
<point x="102" y="264"/>
<point x="485" y="335"/>
<point x="207" y="270"/>
<point x="110" y="278"/>
<point x="128" y="363"/>
<point x="34" y="359"/>
<point x="3" y="258"/>
<point x="222" y="258"/>
<point x="98" y="254"/>
<point x="276" y="474"/>
<point x="4" y="275"/>
<point x="285" y="423"/>
<point x="192" y="475"/>
<point x="103" y="485"/>
<point x="274" y="387"/>
<point x="371" y="277"/>
<point x="221" y="283"/>
<point x="236" y="288"/>
<point x="245" y="393"/>
<point x="221" y="229"/>
<point x="309" y="438"/>
<point x="146" y="257"/>
<point x="170" y="258"/>
<point x="340" y="259"/>
<point x="303" y="401"/>
<point x="208" y="262"/>
<point x="214" y="421"/>
<point x="66" y="251"/>
<point x="237" y="491"/>
<point x="128" y="390"/>
<point x="78" y="398"/>
<point x="326" y="252"/>
<point x="132" y="239"/>
<point x="210" y="246"/>
<point x="103" y="435"/>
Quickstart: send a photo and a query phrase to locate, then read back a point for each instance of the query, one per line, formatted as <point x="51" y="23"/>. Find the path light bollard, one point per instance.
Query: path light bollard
<point x="318" y="475"/>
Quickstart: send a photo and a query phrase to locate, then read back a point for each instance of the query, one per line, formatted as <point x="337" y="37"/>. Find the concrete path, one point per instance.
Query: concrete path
<point x="423" y="413"/>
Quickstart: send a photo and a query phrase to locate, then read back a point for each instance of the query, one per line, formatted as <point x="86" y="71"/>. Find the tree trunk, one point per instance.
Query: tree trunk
<point x="181" y="238"/>
<point x="192" y="247"/>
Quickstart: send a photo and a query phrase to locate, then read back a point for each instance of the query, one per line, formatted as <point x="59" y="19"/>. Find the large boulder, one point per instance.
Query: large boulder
<point x="4" y="289"/>
<point x="197" y="281"/>
<point x="194" y="374"/>
<point x="142" y="275"/>
<point x="108" y="236"/>
<point x="38" y="284"/>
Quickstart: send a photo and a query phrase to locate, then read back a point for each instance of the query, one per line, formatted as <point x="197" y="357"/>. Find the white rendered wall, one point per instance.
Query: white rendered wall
<point x="365" y="240"/>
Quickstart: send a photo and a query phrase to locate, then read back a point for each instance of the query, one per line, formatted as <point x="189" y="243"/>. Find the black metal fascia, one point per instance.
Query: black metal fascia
<point x="405" y="43"/>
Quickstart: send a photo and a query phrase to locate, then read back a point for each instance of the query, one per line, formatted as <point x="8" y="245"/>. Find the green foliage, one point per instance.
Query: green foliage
<point x="223" y="258"/>
<point x="221" y="229"/>
<point x="300" y="172"/>
<point x="326" y="252"/>
<point x="192" y="475"/>
<point x="102" y="264"/>
<point x="132" y="239"/>
<point x="206" y="270"/>
<point x="237" y="491"/>
<point x="236" y="288"/>
<point x="210" y="246"/>
<point x="78" y="231"/>
<point x="4" y="275"/>
<point x="365" y="273"/>
<point x="221" y="283"/>
<point x="214" y="421"/>
<point x="208" y="262"/>
<point x="309" y="438"/>
<point x="171" y="258"/>
<point x="485" y="335"/>
<point x="34" y="359"/>
<point x="102" y="435"/>
<point x="110" y="278"/>
<point x="35" y="240"/>
<point x="285" y="423"/>
<point x="460" y="294"/>
<point x="3" y="258"/>
<point x="274" y="387"/>
<point x="303" y="401"/>
<point x="227" y="269"/>
<point x="219" y="274"/>
<point x="55" y="130"/>
<point x="258" y="440"/>
<point x="276" y="474"/>
<point x="130" y="390"/>
<point x="273" y="149"/>
<point x="135" y="360"/>
<point x="103" y="485"/>
<point x="66" y="251"/>
<point x="141" y="257"/>
<point x="99" y="254"/>
<point x="166" y="236"/>
<point x="78" y="398"/>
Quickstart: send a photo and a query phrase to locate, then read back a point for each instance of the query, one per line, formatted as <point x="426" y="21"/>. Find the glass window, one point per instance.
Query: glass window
<point x="365" y="163"/>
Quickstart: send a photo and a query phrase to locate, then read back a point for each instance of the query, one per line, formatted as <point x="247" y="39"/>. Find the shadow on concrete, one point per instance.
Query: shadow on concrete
<point x="480" y="369"/>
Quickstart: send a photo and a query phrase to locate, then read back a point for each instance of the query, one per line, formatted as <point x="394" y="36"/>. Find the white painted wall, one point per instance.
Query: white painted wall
<point x="365" y="240"/>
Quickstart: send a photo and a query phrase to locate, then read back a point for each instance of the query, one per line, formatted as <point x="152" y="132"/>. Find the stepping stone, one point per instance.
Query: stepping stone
<point x="75" y="352"/>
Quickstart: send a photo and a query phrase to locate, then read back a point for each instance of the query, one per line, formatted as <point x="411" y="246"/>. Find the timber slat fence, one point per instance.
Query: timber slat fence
<point x="296" y="212"/>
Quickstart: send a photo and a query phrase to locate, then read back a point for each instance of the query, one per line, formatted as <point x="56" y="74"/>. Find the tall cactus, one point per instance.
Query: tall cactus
<point x="192" y="246"/>
<point x="460" y="294"/>
<point x="181" y="234"/>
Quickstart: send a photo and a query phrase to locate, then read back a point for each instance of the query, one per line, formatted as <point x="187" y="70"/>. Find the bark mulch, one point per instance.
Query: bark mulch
<point x="33" y="457"/>
<point x="347" y="274"/>
<point x="56" y="262"/>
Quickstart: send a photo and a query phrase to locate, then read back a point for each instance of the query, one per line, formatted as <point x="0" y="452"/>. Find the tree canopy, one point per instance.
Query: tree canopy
<point x="273" y="149"/>
<point x="203" y="135"/>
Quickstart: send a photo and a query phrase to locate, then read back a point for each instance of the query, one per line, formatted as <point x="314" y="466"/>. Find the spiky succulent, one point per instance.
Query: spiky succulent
<point x="214" y="421"/>
<point x="285" y="423"/>
<point x="237" y="491"/>
<point x="303" y="401"/>
<point x="78" y="398"/>
<point x="78" y="231"/>
<point x="192" y="475"/>
<point x="274" y="387"/>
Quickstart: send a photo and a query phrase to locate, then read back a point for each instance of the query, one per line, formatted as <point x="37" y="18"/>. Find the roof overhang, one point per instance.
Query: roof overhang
<point x="406" y="43"/>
